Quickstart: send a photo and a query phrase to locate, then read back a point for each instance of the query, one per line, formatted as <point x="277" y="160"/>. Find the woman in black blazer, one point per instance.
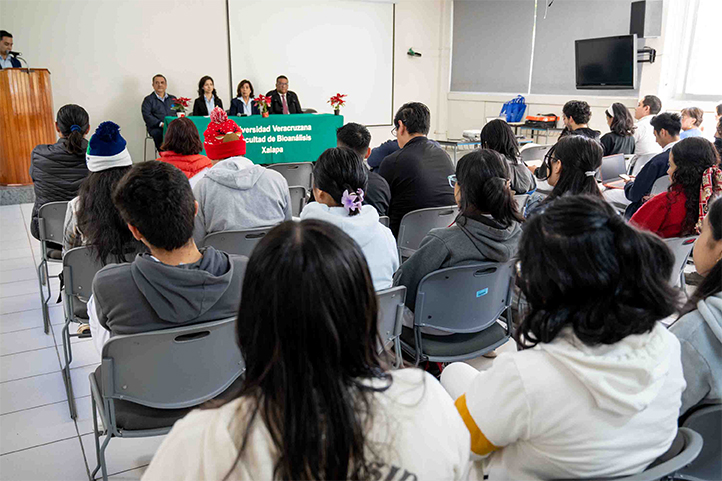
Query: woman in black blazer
<point x="244" y="99"/>
<point x="206" y="95"/>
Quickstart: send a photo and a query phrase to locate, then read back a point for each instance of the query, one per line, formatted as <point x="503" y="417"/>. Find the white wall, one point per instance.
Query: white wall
<point x="103" y="54"/>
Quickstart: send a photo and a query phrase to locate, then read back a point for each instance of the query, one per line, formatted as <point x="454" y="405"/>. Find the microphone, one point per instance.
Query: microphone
<point x="16" y="54"/>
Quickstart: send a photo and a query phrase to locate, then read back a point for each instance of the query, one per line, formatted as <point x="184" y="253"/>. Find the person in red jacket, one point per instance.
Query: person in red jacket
<point x="182" y="146"/>
<point x="696" y="179"/>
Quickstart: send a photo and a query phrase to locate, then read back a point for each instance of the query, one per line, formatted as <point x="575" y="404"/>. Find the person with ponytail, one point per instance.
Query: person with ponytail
<point x="488" y="227"/>
<point x="596" y="388"/>
<point x="339" y="187"/>
<point x="695" y="178"/>
<point x="699" y="328"/>
<point x="620" y="139"/>
<point x="317" y="401"/>
<point x="497" y="135"/>
<point x="58" y="169"/>
<point x="570" y="167"/>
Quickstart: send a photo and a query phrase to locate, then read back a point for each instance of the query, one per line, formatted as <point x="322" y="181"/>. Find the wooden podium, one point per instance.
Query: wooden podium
<point x="26" y="120"/>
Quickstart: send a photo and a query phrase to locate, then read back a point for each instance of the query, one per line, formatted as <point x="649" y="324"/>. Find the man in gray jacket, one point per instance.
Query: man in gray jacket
<point x="176" y="284"/>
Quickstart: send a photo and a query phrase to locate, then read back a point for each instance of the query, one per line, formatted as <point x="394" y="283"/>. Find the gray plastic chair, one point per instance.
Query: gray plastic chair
<point x="660" y="185"/>
<point x="51" y="228"/>
<point x="240" y="242"/>
<point x="465" y="301"/>
<point x="298" y="199"/>
<point x="384" y="219"/>
<point x="148" y="381"/>
<point x="707" y="421"/>
<point x="300" y="173"/>
<point x="691" y="445"/>
<point x="639" y="161"/>
<point x="417" y="223"/>
<point x="391" y="314"/>
<point x="681" y="247"/>
<point x="536" y="152"/>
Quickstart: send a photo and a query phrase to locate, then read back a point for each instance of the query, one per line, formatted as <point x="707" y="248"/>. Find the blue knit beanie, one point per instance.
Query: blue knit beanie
<point x="107" y="149"/>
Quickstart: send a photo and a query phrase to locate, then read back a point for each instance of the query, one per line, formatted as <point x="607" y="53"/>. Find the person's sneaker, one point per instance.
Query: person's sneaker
<point x="693" y="279"/>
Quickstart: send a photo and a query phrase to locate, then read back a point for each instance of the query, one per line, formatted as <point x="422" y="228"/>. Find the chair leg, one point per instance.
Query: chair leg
<point x="99" y="455"/>
<point x="68" y="356"/>
<point x="43" y="302"/>
<point x="397" y="352"/>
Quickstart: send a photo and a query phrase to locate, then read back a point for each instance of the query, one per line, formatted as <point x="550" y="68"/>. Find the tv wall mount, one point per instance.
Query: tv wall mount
<point x="649" y="55"/>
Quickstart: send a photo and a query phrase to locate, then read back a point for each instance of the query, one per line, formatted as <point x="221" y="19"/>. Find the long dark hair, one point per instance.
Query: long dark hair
<point x="712" y="283"/>
<point x="240" y="84"/>
<point x="623" y="123"/>
<point x="339" y="169"/>
<point x="497" y="135"/>
<point x="202" y="82"/>
<point x="581" y="265"/>
<point x="68" y="116"/>
<point x="308" y="362"/>
<point x="100" y="221"/>
<point x="578" y="155"/>
<point x="692" y="156"/>
<point x="182" y="138"/>
<point x="483" y="178"/>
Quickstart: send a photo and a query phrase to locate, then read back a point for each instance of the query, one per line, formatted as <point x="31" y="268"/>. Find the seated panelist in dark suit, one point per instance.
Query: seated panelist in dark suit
<point x="243" y="104"/>
<point x="156" y="107"/>
<point x="207" y="98"/>
<point x="283" y="101"/>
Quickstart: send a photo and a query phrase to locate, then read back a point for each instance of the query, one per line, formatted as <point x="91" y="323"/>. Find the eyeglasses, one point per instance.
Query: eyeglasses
<point x="452" y="180"/>
<point x="393" y="131"/>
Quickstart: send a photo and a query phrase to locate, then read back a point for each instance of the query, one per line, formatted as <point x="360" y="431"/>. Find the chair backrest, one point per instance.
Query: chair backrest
<point x="384" y="219"/>
<point x="639" y="161"/>
<point x="51" y="221"/>
<point x="300" y="173"/>
<point x="391" y="313"/>
<point x="240" y="242"/>
<point x="80" y="265"/>
<point x="172" y="368"/>
<point x="298" y="199"/>
<point x="521" y="200"/>
<point x="681" y="247"/>
<point x="707" y="421"/>
<point x="417" y="223"/>
<point x="660" y="185"/>
<point x="535" y="152"/>
<point x="464" y="299"/>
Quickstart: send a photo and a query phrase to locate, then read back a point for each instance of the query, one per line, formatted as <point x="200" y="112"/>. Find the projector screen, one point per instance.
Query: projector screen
<point x="323" y="47"/>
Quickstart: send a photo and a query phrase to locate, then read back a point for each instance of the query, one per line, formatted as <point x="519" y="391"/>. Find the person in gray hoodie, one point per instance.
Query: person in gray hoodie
<point x="176" y="284"/>
<point x="699" y="329"/>
<point x="487" y="229"/>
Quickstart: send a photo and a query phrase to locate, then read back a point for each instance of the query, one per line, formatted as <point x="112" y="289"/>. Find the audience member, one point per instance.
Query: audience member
<point x="487" y="228"/>
<point x="645" y="142"/>
<point x="576" y="115"/>
<point x="284" y="101"/>
<point x="314" y="382"/>
<point x="621" y="138"/>
<point x="357" y="138"/>
<point x="235" y="194"/>
<point x="175" y="284"/>
<point x="498" y="136"/>
<point x="156" y="107"/>
<point x="243" y="104"/>
<point x="58" y="169"/>
<point x="91" y="218"/>
<point x="666" y="130"/>
<point x="7" y="60"/>
<point x="699" y="329"/>
<point x="695" y="177"/>
<point x="207" y="97"/>
<point x="417" y="174"/>
<point x="378" y="154"/>
<point x="570" y="167"/>
<point x="339" y="187"/>
<point x="691" y="120"/>
<point x="718" y="137"/>
<point x="182" y="147"/>
<point x="596" y="389"/>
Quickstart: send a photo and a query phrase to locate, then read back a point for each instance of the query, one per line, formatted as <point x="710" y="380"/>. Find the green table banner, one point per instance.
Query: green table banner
<point x="280" y="138"/>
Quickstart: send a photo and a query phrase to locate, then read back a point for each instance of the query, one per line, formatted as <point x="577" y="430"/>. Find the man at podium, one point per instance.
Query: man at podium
<point x="155" y="108"/>
<point x="7" y="60"/>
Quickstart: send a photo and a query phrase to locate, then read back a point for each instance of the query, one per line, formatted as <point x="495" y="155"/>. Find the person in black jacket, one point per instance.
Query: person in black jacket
<point x="58" y="169"/>
<point x="358" y="138"/>
<point x="283" y="101"/>
<point x="621" y="138"/>
<point x="243" y="104"/>
<point x="576" y="115"/>
<point x="156" y="107"/>
<point x="666" y="131"/>
<point x="418" y="173"/>
<point x="207" y="98"/>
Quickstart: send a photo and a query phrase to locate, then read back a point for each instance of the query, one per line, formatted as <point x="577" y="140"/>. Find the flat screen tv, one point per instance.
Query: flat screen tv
<point x="606" y="62"/>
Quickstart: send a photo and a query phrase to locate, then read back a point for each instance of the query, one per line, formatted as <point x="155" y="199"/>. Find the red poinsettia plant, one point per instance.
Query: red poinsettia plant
<point x="180" y="104"/>
<point x="337" y="101"/>
<point x="263" y="102"/>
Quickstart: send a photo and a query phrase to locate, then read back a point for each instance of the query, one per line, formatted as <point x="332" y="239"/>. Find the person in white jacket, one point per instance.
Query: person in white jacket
<point x="340" y="180"/>
<point x="316" y="401"/>
<point x="595" y="391"/>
